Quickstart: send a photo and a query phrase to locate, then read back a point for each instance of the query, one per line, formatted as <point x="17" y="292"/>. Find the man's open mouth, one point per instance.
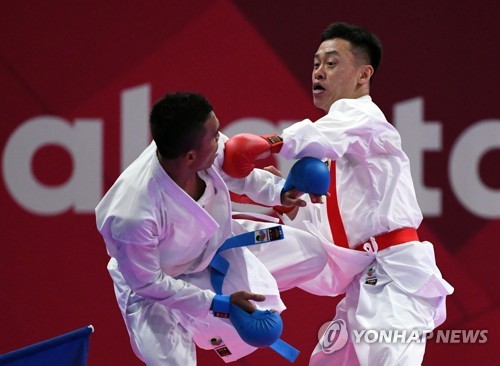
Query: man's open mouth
<point x="318" y="88"/>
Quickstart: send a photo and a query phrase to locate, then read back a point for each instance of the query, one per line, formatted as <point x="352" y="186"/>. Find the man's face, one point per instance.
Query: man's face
<point x="207" y="152"/>
<point x="336" y="73"/>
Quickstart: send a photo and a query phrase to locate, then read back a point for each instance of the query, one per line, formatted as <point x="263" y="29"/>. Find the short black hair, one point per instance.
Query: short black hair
<point x="177" y="122"/>
<point x="361" y="39"/>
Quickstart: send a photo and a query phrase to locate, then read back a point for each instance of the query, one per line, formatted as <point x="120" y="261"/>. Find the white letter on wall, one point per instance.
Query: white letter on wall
<point x="135" y="104"/>
<point x="417" y="136"/>
<point x="83" y="140"/>
<point x="465" y="157"/>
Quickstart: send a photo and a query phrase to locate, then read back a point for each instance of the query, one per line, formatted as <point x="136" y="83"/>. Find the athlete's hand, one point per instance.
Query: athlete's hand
<point x="242" y="300"/>
<point x="308" y="175"/>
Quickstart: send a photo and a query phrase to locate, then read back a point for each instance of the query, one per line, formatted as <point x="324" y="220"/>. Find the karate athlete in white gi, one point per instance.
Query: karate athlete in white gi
<point x="389" y="277"/>
<point x="162" y="222"/>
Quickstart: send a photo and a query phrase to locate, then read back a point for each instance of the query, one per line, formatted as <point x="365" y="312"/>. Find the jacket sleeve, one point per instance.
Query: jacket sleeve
<point x="347" y="129"/>
<point x="138" y="261"/>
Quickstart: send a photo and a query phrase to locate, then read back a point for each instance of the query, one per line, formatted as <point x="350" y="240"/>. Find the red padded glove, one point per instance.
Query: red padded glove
<point x="242" y="150"/>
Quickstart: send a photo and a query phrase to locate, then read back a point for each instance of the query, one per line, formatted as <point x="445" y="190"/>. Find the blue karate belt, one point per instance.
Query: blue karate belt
<point x="262" y="328"/>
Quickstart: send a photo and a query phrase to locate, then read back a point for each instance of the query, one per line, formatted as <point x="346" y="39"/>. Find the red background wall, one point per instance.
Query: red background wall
<point x="77" y="60"/>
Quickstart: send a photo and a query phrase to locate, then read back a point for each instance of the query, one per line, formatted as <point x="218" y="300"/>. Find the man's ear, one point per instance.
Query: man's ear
<point x="190" y="157"/>
<point x="366" y="74"/>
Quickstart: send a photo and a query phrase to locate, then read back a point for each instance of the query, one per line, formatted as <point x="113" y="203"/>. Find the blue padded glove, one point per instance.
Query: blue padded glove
<point x="308" y="175"/>
<point x="260" y="329"/>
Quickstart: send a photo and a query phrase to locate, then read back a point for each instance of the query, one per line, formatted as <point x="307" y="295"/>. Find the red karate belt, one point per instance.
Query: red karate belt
<point x="332" y="207"/>
<point x="394" y="237"/>
<point x="384" y="241"/>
